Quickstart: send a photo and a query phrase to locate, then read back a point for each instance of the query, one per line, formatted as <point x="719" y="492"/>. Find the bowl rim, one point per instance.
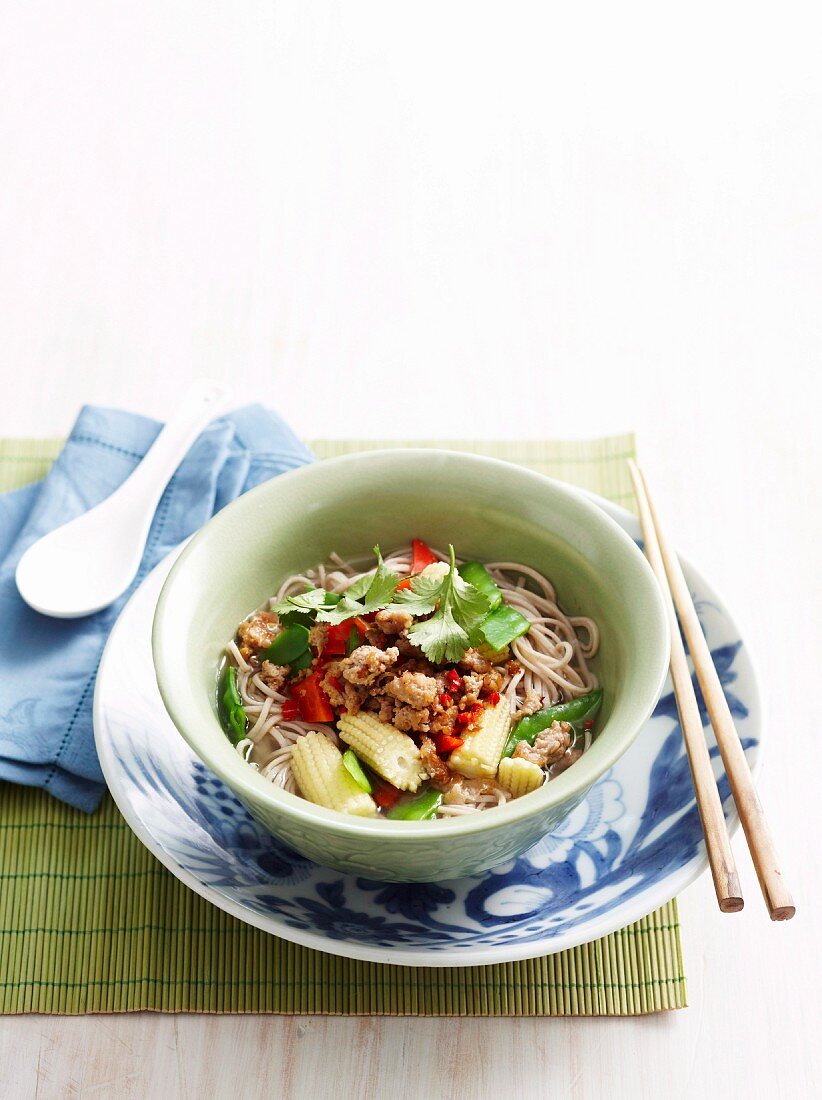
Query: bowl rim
<point x="570" y="784"/>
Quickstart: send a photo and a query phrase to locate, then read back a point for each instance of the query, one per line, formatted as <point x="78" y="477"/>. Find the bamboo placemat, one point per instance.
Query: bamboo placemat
<point x="91" y="922"/>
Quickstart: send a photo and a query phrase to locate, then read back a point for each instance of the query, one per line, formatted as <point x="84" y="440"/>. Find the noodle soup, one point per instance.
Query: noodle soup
<point x="423" y="687"/>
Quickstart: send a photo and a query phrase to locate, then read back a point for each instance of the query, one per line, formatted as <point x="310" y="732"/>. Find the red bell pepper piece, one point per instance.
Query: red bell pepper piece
<point x="338" y="637"/>
<point x="445" y="743"/>
<point x="384" y="794"/>
<point x="312" y="700"/>
<point x="291" y="710"/>
<point x="421" y="556"/>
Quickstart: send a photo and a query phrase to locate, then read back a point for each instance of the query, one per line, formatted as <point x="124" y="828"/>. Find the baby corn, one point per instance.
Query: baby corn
<point x="520" y="776"/>
<point x="479" y="753"/>
<point x="323" y="779"/>
<point x="391" y="754"/>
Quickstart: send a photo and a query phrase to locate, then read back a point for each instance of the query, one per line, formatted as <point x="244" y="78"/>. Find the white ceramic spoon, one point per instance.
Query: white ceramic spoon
<point x="87" y="563"/>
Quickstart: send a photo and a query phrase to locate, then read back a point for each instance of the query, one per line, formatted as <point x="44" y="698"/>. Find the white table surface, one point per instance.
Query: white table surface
<point x="433" y="219"/>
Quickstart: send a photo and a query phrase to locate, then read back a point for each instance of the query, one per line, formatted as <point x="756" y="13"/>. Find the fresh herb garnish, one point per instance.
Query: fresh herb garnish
<point x="312" y="600"/>
<point x="457" y="606"/>
<point x="378" y="594"/>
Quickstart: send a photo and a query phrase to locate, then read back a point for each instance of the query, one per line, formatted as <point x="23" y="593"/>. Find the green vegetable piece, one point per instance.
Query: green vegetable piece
<point x="294" y="618"/>
<point x="289" y="644"/>
<point x="231" y="707"/>
<point x="354" y="768"/>
<point x="303" y="661"/>
<point x="576" y="711"/>
<point x="353" y="641"/>
<point x="503" y="625"/>
<point x="421" y="808"/>
<point x="475" y="573"/>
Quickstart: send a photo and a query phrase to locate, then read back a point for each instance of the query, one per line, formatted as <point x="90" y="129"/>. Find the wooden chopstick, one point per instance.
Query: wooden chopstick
<point x="717" y="841"/>
<point x="754" y="824"/>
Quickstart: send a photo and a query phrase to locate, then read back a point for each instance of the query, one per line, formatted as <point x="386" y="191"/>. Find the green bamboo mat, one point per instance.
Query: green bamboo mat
<point x="91" y="922"/>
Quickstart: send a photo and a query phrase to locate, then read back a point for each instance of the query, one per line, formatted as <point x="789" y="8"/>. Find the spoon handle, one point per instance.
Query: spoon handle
<point x="200" y="403"/>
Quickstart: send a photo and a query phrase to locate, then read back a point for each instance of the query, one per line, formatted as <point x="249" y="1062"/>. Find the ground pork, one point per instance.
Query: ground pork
<point x="258" y="632"/>
<point x="443" y="721"/>
<point x="531" y="704"/>
<point x="473" y="661"/>
<point x="472" y="792"/>
<point x="394" y="620"/>
<point x="439" y="772"/>
<point x="549" y="746"/>
<point x="472" y="687"/>
<point x="409" y="719"/>
<point x="333" y="685"/>
<point x="274" y="675"/>
<point x="318" y="636"/>
<point x="512" y="668"/>
<point x="493" y="680"/>
<point x="366" y="663"/>
<point x="414" y="688"/>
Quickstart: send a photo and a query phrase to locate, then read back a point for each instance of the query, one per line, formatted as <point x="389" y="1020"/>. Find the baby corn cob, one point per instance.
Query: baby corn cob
<point x="480" y="751"/>
<point x="323" y="779"/>
<point x="520" y="776"/>
<point x="391" y="754"/>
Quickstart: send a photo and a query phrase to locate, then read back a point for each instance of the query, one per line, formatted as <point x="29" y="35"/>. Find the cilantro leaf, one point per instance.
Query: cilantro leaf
<point x="458" y="608"/>
<point x="311" y="600"/>
<point x="378" y="595"/>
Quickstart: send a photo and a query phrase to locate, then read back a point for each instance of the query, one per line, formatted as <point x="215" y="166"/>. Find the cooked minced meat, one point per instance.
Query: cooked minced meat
<point x="274" y="675"/>
<point x="414" y="688"/>
<point x="443" y="721"/>
<point x="473" y="661"/>
<point x="472" y="685"/>
<point x="375" y="636"/>
<point x="549" y="746"/>
<point x="318" y="636"/>
<point x="470" y="792"/>
<point x="394" y="620"/>
<point x="531" y="704"/>
<point x="493" y="680"/>
<point x="367" y="662"/>
<point x="439" y="772"/>
<point x="410" y="719"/>
<point x="259" y="631"/>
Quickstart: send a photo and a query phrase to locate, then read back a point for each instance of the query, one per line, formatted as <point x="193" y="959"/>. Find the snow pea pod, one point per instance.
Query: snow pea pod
<point x="474" y="572"/>
<point x="421" y="808"/>
<point x="576" y="711"/>
<point x="231" y="707"/>
<point x="289" y="644"/>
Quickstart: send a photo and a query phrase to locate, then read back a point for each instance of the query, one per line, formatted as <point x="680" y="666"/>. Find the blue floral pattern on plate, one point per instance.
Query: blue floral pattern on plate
<point x="630" y="846"/>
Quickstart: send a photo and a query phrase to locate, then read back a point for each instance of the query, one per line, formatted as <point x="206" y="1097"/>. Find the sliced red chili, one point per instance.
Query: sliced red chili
<point x="454" y="679"/>
<point x="446" y="700"/>
<point x="493" y="699"/>
<point x="404" y="583"/>
<point x="446" y="743"/>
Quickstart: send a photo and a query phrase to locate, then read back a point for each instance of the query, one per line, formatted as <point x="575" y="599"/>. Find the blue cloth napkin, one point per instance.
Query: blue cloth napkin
<point x="48" y="666"/>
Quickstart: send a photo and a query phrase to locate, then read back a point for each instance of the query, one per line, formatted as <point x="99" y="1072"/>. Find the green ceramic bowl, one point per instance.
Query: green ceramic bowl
<point x="490" y="510"/>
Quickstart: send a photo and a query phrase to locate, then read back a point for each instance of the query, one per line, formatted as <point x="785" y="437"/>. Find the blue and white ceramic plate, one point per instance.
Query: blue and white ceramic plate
<point x="631" y="846"/>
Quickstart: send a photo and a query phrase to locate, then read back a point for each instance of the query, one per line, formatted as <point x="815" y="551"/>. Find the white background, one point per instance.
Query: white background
<point x="466" y="220"/>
